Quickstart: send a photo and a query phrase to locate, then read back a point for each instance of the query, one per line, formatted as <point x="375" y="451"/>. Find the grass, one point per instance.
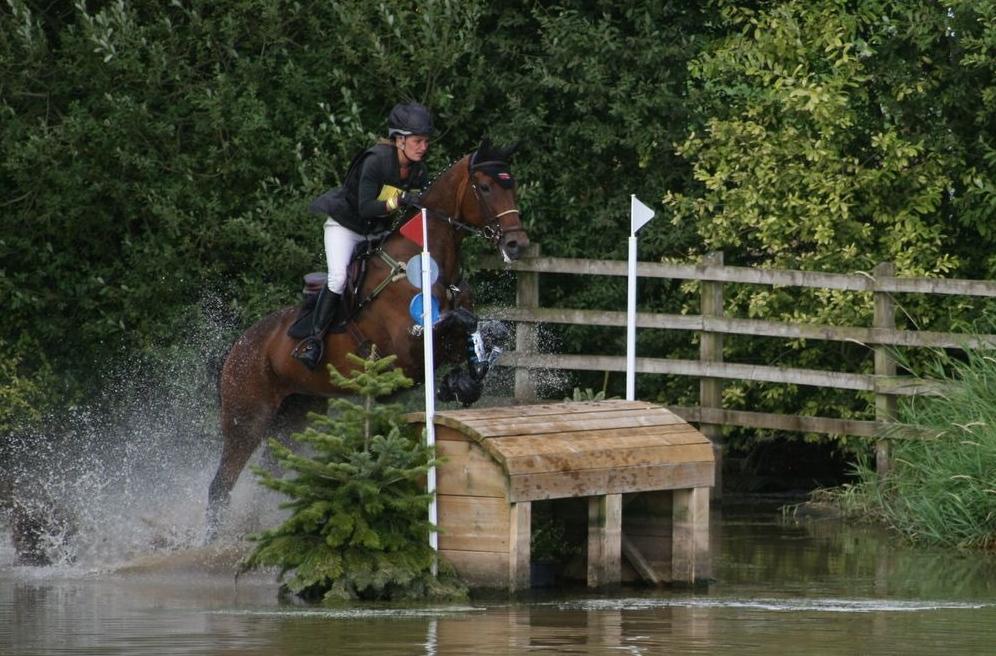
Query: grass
<point x="941" y="489"/>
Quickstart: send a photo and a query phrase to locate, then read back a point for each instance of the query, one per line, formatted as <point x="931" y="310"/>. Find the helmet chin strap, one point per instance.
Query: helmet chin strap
<point x="401" y="149"/>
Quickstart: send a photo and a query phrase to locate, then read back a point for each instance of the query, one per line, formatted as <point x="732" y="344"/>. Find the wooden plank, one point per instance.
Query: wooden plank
<point x="677" y="433"/>
<point x="561" y="424"/>
<point x="574" y="416"/>
<point x="779" y="277"/>
<point x="828" y="425"/>
<point x="469" y="471"/>
<point x="480" y="569"/>
<point x="473" y="523"/>
<point x="542" y="409"/>
<point x="506" y="449"/>
<point x="749" y="275"/>
<point x="639" y="562"/>
<point x="604" y="540"/>
<point x="757" y="327"/>
<point x="555" y="485"/>
<point x="608" y="458"/>
<point x="948" y="286"/>
<point x="520" y="549"/>
<point x="728" y="370"/>
<point x="633" y="438"/>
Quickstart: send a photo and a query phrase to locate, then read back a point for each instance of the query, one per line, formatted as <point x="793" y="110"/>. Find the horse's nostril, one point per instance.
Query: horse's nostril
<point x="512" y="248"/>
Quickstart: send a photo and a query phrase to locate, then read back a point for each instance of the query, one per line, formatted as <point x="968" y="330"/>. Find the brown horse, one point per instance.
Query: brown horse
<point x="261" y="383"/>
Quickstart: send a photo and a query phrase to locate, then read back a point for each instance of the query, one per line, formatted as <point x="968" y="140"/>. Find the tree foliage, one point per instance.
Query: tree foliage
<point x="154" y="153"/>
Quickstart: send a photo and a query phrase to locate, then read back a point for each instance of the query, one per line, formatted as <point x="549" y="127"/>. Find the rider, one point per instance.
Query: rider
<point x="379" y="180"/>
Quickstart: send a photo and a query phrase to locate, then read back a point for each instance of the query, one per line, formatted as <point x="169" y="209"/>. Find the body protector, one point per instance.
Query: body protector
<point x="361" y="203"/>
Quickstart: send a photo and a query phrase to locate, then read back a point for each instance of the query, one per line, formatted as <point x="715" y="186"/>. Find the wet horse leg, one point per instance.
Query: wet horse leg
<point x="292" y="417"/>
<point x="243" y="429"/>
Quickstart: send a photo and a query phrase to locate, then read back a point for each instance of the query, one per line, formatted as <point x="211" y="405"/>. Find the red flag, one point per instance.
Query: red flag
<point x="412" y="229"/>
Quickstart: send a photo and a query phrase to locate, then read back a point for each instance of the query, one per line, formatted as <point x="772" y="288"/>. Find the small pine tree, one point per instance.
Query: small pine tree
<point x="359" y="524"/>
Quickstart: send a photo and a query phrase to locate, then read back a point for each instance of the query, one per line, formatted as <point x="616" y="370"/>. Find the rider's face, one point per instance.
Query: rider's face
<point x="414" y="147"/>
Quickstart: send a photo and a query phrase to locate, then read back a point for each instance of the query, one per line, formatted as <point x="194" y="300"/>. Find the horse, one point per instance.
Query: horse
<point x="262" y="388"/>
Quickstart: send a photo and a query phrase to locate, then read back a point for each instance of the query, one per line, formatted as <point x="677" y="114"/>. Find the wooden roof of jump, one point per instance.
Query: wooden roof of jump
<point x="581" y="449"/>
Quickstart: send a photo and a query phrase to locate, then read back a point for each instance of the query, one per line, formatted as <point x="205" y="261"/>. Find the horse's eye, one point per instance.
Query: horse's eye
<point x="486" y="188"/>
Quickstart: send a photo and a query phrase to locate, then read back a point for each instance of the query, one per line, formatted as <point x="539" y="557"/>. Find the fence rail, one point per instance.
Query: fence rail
<point x="712" y="325"/>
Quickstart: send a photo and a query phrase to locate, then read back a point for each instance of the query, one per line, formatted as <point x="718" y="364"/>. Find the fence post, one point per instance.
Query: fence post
<point x="885" y="404"/>
<point x="711" y="350"/>
<point x="526" y="296"/>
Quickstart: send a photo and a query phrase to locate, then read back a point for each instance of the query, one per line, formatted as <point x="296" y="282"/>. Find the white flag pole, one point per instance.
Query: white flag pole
<point x="639" y="215"/>
<point x="430" y="385"/>
<point x="631" y="311"/>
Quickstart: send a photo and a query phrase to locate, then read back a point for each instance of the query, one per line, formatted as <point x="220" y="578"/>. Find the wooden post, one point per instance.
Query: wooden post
<point x="690" y="535"/>
<point x="885" y="404"/>
<point x="604" y="540"/>
<point x="519" y="556"/>
<point x="526" y="295"/>
<point x="711" y="350"/>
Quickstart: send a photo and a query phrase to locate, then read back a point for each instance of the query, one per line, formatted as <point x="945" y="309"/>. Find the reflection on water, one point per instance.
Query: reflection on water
<point x="780" y="588"/>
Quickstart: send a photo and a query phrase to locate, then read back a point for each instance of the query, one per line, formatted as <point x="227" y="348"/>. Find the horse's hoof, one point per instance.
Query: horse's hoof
<point x="460" y="386"/>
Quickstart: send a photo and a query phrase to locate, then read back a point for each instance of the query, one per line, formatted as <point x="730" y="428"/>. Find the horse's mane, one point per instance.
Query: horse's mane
<point x="485" y="155"/>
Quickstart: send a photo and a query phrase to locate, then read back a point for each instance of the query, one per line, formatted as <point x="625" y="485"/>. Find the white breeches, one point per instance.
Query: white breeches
<point x="339" y="245"/>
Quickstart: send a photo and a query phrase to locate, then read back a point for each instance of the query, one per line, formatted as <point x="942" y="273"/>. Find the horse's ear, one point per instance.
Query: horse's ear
<point x="485" y="146"/>
<point x="505" y="152"/>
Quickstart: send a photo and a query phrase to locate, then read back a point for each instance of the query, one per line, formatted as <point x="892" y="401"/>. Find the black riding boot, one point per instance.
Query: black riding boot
<point x="312" y="347"/>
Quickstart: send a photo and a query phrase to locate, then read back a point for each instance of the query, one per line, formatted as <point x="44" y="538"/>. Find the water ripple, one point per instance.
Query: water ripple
<point x="777" y="605"/>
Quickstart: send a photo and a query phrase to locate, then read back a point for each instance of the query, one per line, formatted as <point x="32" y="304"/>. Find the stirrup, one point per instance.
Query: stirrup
<point x="309" y="351"/>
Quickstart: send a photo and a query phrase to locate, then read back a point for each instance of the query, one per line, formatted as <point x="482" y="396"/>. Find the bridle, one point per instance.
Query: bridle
<point x="492" y="229"/>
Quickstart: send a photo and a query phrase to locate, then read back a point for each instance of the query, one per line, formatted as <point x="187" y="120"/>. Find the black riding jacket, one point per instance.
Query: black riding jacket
<point x="354" y="204"/>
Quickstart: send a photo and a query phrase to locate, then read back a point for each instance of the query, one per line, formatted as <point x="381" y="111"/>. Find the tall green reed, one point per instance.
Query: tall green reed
<point x="941" y="488"/>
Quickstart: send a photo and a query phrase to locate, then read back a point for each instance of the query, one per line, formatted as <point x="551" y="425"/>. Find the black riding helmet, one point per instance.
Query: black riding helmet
<point x="409" y="118"/>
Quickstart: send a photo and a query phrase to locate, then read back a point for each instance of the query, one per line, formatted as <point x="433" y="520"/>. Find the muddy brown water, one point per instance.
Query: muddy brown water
<point x="781" y="587"/>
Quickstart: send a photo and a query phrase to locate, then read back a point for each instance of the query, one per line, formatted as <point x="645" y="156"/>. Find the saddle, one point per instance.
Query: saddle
<point x="315" y="283"/>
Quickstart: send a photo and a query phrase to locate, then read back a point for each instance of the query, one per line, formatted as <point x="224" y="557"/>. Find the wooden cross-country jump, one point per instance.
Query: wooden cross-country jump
<point x="645" y="472"/>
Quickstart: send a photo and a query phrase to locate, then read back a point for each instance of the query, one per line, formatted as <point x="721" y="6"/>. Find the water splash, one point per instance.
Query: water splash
<point x="127" y="471"/>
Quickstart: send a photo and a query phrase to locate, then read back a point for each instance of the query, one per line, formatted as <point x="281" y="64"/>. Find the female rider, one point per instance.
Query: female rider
<point x="379" y="180"/>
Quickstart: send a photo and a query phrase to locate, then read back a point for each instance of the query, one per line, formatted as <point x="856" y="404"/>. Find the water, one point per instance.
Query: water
<point x="128" y="577"/>
<point x="781" y="588"/>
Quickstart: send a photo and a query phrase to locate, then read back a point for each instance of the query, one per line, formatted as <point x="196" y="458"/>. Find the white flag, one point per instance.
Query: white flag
<point x="639" y="214"/>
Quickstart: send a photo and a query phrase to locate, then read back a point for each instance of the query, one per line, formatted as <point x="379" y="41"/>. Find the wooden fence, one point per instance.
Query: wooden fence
<point x="713" y="325"/>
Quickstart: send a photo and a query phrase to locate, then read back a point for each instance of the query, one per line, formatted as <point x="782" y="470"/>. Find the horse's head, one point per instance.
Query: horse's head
<point x="492" y="206"/>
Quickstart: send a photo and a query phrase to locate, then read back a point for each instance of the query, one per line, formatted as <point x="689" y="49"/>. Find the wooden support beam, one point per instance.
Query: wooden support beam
<point x="885" y="404"/>
<point x="519" y="534"/>
<point x="526" y="335"/>
<point x="636" y="558"/>
<point x="711" y="350"/>
<point x="604" y="540"/>
<point x="690" y="536"/>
